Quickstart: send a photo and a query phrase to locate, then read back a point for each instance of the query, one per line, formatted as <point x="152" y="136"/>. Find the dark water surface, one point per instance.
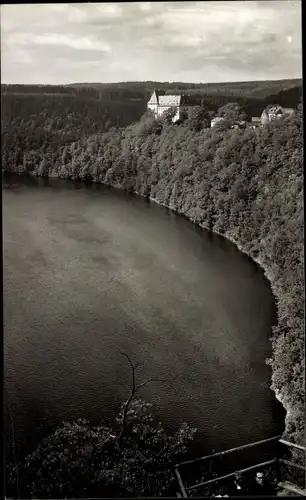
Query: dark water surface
<point x="90" y="272"/>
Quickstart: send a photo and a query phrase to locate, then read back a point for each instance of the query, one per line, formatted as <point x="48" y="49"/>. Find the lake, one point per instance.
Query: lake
<point x="90" y="272"/>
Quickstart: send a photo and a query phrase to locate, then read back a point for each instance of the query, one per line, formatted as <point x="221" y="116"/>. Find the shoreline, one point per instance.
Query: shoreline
<point x="266" y="272"/>
<point x="226" y="236"/>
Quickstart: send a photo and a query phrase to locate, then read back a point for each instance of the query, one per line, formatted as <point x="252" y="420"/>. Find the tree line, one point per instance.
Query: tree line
<point x="258" y="89"/>
<point x="255" y="96"/>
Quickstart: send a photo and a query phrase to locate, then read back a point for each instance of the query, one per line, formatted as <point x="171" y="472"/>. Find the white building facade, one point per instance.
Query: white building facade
<point x="160" y="102"/>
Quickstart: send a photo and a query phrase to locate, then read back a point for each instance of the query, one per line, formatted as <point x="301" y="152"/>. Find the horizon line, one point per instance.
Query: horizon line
<point x="155" y="81"/>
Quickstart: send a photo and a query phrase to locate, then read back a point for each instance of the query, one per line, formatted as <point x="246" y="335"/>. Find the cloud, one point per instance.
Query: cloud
<point x="79" y="43"/>
<point x="188" y="41"/>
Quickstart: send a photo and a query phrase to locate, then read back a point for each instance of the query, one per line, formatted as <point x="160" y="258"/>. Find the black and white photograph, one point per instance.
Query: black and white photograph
<point x="153" y="249"/>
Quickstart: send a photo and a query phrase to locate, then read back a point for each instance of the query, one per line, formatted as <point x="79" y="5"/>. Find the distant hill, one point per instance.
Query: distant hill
<point x="286" y="97"/>
<point x="258" y="89"/>
<point x="253" y="96"/>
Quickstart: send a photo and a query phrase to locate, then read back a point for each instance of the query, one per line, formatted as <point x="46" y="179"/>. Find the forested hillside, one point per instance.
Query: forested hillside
<point x="120" y="104"/>
<point x="259" y="89"/>
<point x="245" y="184"/>
<point x="37" y="120"/>
<point x="64" y="116"/>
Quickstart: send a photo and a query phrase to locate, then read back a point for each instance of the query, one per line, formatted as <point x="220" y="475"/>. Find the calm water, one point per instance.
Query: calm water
<point x="90" y="272"/>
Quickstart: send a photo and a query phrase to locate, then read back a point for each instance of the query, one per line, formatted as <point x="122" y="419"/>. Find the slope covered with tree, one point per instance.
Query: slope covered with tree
<point x="63" y="115"/>
<point x="125" y="102"/>
<point x="244" y="184"/>
<point x="259" y="89"/>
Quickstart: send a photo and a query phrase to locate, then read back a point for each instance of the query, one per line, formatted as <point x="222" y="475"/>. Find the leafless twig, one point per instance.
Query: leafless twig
<point x="134" y="390"/>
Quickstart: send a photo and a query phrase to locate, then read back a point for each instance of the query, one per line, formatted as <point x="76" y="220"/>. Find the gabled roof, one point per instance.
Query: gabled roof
<point x="169" y="100"/>
<point x="155" y="96"/>
<point x="274" y="109"/>
<point x="162" y="99"/>
<point x="277" y="109"/>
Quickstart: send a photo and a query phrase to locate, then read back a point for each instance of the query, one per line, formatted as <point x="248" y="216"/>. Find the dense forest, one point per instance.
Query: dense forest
<point x="247" y="91"/>
<point x="246" y="184"/>
<point x="63" y="117"/>
<point x="258" y="89"/>
<point x="124" y="103"/>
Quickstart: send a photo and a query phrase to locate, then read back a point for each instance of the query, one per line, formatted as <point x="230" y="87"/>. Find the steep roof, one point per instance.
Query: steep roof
<point x="277" y="109"/>
<point x="169" y="100"/>
<point x="155" y="96"/>
<point x="160" y="98"/>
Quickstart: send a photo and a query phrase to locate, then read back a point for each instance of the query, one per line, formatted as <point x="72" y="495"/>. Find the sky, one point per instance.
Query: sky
<point x="207" y="41"/>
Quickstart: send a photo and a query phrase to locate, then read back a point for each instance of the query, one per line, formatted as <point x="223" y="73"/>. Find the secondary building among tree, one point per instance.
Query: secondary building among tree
<point x="217" y="120"/>
<point x="255" y="122"/>
<point x="275" y="112"/>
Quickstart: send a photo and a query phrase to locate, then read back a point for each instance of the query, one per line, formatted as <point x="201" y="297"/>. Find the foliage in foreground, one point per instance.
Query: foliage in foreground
<point x="79" y="460"/>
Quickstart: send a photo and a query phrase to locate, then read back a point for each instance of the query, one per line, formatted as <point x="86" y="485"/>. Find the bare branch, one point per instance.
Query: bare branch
<point x="128" y="358"/>
<point x="134" y="389"/>
<point x="133" y="370"/>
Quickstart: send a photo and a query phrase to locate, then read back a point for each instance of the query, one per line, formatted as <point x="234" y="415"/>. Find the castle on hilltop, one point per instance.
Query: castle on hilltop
<point x="160" y="102"/>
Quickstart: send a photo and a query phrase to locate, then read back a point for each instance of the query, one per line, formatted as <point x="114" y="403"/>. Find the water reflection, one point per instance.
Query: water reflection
<point x="90" y="272"/>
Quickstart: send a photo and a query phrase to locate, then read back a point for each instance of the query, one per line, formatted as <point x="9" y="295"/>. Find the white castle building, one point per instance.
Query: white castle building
<point x="160" y="102"/>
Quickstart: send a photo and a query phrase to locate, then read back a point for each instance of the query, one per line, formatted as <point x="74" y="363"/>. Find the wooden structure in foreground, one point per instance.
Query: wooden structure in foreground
<point x="280" y="465"/>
